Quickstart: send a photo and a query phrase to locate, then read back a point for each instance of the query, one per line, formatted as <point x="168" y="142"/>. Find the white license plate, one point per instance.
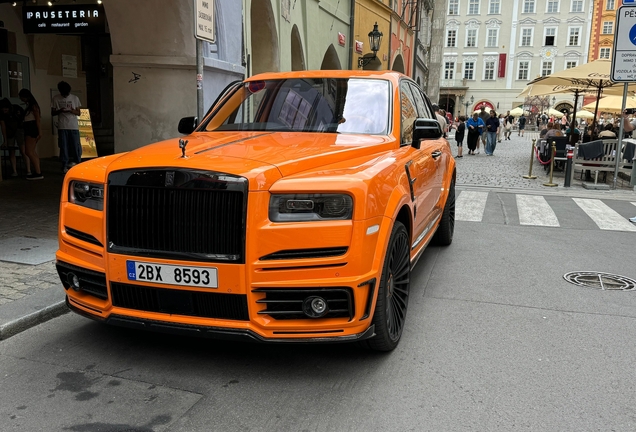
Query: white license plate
<point x="171" y="274"/>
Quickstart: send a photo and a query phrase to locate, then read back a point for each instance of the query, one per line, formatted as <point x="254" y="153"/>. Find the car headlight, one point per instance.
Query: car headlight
<point x="86" y="194"/>
<point x="310" y="207"/>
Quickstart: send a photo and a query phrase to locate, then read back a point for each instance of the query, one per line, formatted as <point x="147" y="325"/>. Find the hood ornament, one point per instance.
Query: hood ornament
<point x="182" y="145"/>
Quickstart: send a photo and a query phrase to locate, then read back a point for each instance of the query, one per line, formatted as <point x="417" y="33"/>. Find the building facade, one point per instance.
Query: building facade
<point x="602" y="33"/>
<point x="493" y="48"/>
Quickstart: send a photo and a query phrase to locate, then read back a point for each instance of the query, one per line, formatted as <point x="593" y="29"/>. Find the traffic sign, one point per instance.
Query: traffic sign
<point x="204" y="20"/>
<point x="624" y="51"/>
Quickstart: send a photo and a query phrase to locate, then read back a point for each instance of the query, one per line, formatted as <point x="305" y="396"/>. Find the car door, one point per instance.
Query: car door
<point x="420" y="166"/>
<point x="437" y="147"/>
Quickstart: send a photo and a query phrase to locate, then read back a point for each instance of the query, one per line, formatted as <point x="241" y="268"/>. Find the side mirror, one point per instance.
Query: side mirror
<point x="425" y="129"/>
<point x="187" y="125"/>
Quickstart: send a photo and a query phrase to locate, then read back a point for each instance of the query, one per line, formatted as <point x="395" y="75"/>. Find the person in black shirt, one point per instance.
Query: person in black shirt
<point x="522" y="124"/>
<point x="492" y="128"/>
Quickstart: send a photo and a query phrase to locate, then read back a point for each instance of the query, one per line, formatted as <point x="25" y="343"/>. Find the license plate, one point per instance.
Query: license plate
<point x="171" y="274"/>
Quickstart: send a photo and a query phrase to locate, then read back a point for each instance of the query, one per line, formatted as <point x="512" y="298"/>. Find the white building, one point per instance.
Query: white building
<point x="493" y="48"/>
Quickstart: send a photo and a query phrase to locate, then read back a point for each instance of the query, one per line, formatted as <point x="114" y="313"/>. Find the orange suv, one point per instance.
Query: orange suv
<point x="293" y="212"/>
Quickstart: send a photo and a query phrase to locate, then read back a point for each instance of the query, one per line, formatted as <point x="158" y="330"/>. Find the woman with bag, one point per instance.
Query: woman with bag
<point x="475" y="127"/>
<point x="31" y="132"/>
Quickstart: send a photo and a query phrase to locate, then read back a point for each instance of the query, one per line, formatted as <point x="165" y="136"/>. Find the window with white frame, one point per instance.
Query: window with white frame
<point x="546" y="68"/>
<point x="489" y="70"/>
<point x="550" y="36"/>
<point x="608" y="27"/>
<point x="471" y="38"/>
<point x="453" y="7"/>
<point x="473" y="7"/>
<point x="449" y="70"/>
<point x="494" y="7"/>
<point x="571" y="64"/>
<point x="492" y="41"/>
<point x="524" y="70"/>
<point x="469" y="70"/>
<point x="451" y="38"/>
<point x="577" y="6"/>
<point x="526" y="37"/>
<point x="609" y="5"/>
<point x="553" y="6"/>
<point x="573" y="37"/>
<point x="604" y="53"/>
<point x="528" y="6"/>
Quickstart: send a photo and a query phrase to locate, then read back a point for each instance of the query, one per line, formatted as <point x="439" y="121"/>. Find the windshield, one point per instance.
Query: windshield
<point x="306" y="105"/>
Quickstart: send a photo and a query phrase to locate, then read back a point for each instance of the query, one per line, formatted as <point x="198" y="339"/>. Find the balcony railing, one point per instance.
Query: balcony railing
<point x="452" y="83"/>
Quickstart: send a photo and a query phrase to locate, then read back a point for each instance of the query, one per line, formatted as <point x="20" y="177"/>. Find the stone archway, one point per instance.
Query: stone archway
<point x="330" y="61"/>
<point x="297" y="56"/>
<point x="398" y="64"/>
<point x="264" y="39"/>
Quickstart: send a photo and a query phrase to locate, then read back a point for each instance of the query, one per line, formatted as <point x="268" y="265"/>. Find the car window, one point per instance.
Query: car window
<point x="423" y="109"/>
<point x="408" y="112"/>
<point x="308" y="105"/>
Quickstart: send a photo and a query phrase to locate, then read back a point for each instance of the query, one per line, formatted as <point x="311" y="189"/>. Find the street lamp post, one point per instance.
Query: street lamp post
<point x="472" y="99"/>
<point x="375" y="39"/>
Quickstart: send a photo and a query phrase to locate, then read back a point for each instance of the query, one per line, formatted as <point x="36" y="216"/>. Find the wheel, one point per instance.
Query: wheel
<point x="444" y="234"/>
<point x="393" y="293"/>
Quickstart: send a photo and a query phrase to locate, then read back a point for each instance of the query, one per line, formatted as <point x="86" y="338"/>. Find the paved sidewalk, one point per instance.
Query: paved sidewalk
<point x="31" y="294"/>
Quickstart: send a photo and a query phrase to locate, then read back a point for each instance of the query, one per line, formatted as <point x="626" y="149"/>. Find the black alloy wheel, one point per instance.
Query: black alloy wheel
<point x="446" y="229"/>
<point x="393" y="295"/>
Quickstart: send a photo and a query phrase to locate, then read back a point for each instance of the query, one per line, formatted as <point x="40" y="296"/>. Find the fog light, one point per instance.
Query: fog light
<point x="315" y="307"/>
<point x="73" y="281"/>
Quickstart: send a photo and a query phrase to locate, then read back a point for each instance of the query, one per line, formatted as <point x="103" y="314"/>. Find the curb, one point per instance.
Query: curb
<point x="19" y="325"/>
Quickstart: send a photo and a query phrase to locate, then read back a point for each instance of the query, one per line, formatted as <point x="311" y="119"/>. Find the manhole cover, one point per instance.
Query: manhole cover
<point x="600" y="280"/>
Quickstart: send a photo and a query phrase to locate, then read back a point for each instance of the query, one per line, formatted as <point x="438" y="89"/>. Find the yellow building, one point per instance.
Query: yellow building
<point x="602" y="32"/>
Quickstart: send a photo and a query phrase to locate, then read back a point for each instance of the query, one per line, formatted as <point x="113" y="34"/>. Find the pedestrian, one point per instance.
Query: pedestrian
<point x="510" y="120"/>
<point x="32" y="129"/>
<point x="564" y="122"/>
<point x="492" y="129"/>
<point x="459" y="136"/>
<point x="502" y="122"/>
<point x="475" y="127"/>
<point x="544" y="119"/>
<point x="11" y="123"/>
<point x="538" y="122"/>
<point x="522" y="124"/>
<point x="440" y="119"/>
<point x="483" y="115"/>
<point x="66" y="107"/>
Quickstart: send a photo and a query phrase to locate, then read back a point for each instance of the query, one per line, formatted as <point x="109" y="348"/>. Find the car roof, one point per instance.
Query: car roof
<point x="386" y="75"/>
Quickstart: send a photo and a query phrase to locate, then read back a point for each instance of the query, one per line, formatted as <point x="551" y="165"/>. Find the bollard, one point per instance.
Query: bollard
<point x="568" y="165"/>
<point x="550" y="183"/>
<point x="530" y="176"/>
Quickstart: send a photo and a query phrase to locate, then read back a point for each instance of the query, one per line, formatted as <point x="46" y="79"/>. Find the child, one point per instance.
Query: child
<point x="459" y="135"/>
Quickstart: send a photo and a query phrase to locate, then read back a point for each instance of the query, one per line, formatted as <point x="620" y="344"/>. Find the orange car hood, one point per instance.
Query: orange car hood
<point x="262" y="157"/>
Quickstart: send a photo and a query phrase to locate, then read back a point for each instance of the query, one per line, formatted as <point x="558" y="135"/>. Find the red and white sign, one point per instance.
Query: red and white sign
<point x="359" y="46"/>
<point x="341" y="39"/>
<point x="486" y="104"/>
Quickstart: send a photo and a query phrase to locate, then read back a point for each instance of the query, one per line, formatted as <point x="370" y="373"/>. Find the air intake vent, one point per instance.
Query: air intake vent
<point x="180" y="302"/>
<point x="306" y="253"/>
<point x="90" y="282"/>
<point x="287" y="303"/>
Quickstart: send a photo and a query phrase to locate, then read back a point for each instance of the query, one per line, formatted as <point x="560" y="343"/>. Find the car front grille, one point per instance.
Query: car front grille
<point x="180" y="214"/>
<point x="180" y="302"/>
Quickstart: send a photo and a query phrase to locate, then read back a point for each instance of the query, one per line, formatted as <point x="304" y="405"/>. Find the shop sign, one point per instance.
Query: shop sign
<point x="341" y="39"/>
<point x="77" y="18"/>
<point x="359" y="47"/>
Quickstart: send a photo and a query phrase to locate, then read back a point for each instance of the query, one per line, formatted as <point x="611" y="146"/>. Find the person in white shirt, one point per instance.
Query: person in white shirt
<point x="67" y="107"/>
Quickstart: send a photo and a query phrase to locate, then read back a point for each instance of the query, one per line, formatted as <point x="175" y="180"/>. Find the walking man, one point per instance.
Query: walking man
<point x="522" y="124"/>
<point x="66" y="107"/>
<point x="492" y="129"/>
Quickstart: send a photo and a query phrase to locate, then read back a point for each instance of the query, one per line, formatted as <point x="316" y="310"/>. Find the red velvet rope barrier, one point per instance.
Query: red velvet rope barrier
<point x="536" y="149"/>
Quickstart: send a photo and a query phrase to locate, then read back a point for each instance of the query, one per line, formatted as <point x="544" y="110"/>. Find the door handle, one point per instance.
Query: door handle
<point x="436" y="154"/>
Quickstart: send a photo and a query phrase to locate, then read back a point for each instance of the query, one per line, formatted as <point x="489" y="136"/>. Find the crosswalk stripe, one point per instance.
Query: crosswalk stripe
<point x="470" y="206"/>
<point x="535" y="210"/>
<point x="603" y="215"/>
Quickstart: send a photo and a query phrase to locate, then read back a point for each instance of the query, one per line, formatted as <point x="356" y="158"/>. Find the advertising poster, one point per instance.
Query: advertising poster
<point x="87" y="139"/>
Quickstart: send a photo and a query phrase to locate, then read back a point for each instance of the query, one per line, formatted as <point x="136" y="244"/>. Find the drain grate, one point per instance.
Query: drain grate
<point x="600" y="280"/>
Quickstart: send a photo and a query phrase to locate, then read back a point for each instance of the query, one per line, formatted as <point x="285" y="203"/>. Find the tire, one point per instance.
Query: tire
<point x="393" y="293"/>
<point x="446" y="229"/>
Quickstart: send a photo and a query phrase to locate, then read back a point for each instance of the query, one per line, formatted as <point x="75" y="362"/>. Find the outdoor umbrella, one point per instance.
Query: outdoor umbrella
<point x="585" y="114"/>
<point x="516" y="112"/>
<point x="611" y="104"/>
<point x="556" y="113"/>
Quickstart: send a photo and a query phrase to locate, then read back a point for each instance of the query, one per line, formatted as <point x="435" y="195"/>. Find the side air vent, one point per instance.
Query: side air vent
<point x="82" y="280"/>
<point x="82" y="236"/>
<point x="306" y="253"/>
<point x="303" y="303"/>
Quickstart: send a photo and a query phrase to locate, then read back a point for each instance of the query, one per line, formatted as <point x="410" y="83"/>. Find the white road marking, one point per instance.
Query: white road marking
<point x="535" y="210"/>
<point x="603" y="216"/>
<point x="470" y="206"/>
